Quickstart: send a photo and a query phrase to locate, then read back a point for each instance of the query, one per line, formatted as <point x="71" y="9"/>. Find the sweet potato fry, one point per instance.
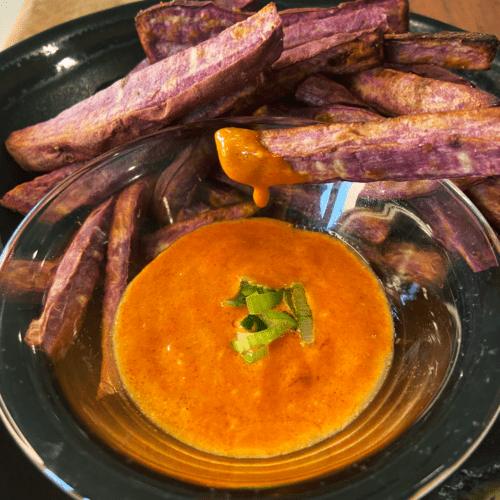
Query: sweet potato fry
<point x="366" y="224"/>
<point x="27" y="280"/>
<point x="347" y="18"/>
<point x="318" y="90"/>
<point x="122" y="249"/>
<point x="486" y="197"/>
<point x="396" y="93"/>
<point x="154" y="243"/>
<point x="430" y="71"/>
<point x="176" y="184"/>
<point x="335" y="55"/>
<point x="25" y="196"/>
<point x="152" y="97"/>
<point x="410" y="262"/>
<point x="168" y="28"/>
<point x="425" y="146"/>
<point x="338" y="54"/>
<point x="450" y="49"/>
<point x="244" y="5"/>
<point x="447" y="215"/>
<point x="72" y="286"/>
<point x="397" y="11"/>
<point x="327" y="114"/>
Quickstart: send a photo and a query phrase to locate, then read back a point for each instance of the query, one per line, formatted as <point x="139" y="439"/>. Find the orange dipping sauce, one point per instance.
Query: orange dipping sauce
<point x="173" y="340"/>
<point x="244" y="159"/>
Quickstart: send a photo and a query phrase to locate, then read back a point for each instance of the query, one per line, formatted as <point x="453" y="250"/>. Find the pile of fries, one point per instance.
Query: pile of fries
<point x="393" y="115"/>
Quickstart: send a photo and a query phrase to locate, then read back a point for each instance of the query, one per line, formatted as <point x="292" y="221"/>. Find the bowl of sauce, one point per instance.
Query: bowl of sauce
<point x="314" y="342"/>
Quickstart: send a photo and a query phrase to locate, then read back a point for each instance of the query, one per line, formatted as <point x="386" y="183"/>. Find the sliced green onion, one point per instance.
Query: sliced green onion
<point x="246" y="289"/>
<point x="253" y="323"/>
<point x="258" y="338"/>
<point x="279" y="318"/>
<point x="259" y="303"/>
<point x="256" y="355"/>
<point x="302" y="312"/>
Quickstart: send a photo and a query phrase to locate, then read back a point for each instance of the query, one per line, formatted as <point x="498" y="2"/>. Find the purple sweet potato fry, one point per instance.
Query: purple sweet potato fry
<point x="25" y="196"/>
<point x="219" y="194"/>
<point x="396" y="93"/>
<point x="244" y="5"/>
<point x="168" y="28"/>
<point x="177" y="183"/>
<point x="335" y="55"/>
<point x="367" y="224"/>
<point x="343" y="19"/>
<point x="450" y="49"/>
<point x="122" y="250"/>
<point x="72" y="286"/>
<point x="211" y="194"/>
<point x="153" y="97"/>
<point x="425" y="146"/>
<point x="430" y="71"/>
<point x="224" y="105"/>
<point x="27" y="280"/>
<point x="486" y="197"/>
<point x="412" y="263"/>
<point x="318" y="90"/>
<point x="452" y="228"/>
<point x="386" y="190"/>
<point x="327" y="114"/>
<point x="196" y="207"/>
<point x="154" y="243"/>
<point x="397" y="11"/>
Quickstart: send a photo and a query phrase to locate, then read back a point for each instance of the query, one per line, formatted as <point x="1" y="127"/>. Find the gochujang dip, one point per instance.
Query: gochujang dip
<point x="175" y="339"/>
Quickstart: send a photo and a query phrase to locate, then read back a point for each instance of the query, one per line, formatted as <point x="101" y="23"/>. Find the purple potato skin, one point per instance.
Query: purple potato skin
<point x="396" y="93"/>
<point x="327" y="114"/>
<point x="319" y="90"/>
<point x="27" y="280"/>
<point x="177" y="183"/>
<point x="367" y="225"/>
<point x="244" y="5"/>
<point x="130" y="206"/>
<point x="448" y="49"/>
<point x="335" y="55"/>
<point x="486" y="197"/>
<point x="153" y="244"/>
<point x="447" y="218"/>
<point x="341" y="20"/>
<point x="430" y="71"/>
<point x="398" y="13"/>
<point x="153" y="97"/>
<point x="72" y="286"/>
<point x="25" y="196"/>
<point x="424" y="146"/>
<point x="168" y="28"/>
<point x="412" y="263"/>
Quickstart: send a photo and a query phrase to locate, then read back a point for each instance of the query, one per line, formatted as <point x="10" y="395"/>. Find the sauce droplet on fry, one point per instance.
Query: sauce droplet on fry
<point x="244" y="159"/>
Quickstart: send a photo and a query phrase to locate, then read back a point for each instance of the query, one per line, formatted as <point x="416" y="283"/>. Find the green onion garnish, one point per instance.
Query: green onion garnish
<point x="279" y="318"/>
<point x="264" y="324"/>
<point x="259" y="303"/>
<point x="303" y="312"/>
<point x="246" y="289"/>
<point x="258" y="338"/>
<point x="253" y="356"/>
<point x="253" y="323"/>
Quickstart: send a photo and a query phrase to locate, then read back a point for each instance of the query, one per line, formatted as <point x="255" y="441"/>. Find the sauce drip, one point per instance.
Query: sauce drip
<point x="173" y="340"/>
<point x="244" y="159"/>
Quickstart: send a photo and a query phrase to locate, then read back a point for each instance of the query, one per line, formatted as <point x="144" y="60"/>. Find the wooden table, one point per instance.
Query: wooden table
<point x="39" y="15"/>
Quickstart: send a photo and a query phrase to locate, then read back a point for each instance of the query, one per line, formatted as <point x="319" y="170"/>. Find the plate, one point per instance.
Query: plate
<point x="46" y="74"/>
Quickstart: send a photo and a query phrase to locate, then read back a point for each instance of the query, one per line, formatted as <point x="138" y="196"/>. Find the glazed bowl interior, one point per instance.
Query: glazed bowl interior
<point x="436" y="404"/>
